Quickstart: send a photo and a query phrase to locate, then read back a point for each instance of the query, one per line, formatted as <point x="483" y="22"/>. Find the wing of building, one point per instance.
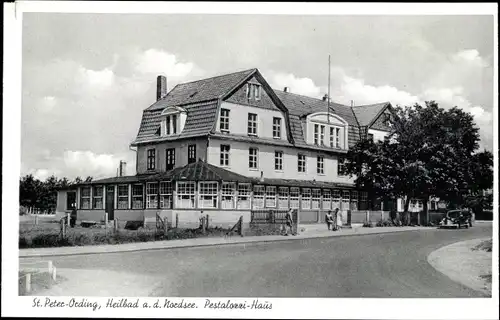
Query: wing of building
<point x="230" y="144"/>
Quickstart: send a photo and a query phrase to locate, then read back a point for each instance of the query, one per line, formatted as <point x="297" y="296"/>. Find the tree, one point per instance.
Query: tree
<point x="431" y="152"/>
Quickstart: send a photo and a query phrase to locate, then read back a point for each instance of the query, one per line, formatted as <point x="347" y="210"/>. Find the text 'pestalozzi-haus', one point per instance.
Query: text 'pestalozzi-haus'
<point x="231" y="144"/>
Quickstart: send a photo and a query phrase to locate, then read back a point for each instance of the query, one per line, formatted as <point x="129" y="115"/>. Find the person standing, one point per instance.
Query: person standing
<point x="336" y="217"/>
<point x="329" y="219"/>
<point x="289" y="222"/>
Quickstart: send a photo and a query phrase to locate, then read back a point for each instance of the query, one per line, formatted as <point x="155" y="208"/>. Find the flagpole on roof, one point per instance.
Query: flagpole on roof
<point x="328" y="110"/>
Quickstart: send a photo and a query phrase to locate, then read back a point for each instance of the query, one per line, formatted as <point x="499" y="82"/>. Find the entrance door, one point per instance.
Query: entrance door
<point x="70" y="200"/>
<point x="110" y="202"/>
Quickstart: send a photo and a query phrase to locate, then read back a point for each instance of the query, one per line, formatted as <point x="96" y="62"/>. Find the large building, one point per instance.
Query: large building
<point x="231" y="144"/>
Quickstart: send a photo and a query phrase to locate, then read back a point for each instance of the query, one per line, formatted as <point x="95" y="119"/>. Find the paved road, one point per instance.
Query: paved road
<point x="386" y="265"/>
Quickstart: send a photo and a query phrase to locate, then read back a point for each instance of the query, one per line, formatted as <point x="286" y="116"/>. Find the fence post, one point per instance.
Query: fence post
<point x="367" y="216"/>
<point x="165" y="226"/>
<point x="69" y="218"/>
<point x="207" y="221"/>
<point x="176" y="220"/>
<point x="49" y="266"/>
<point x="54" y="274"/>
<point x="115" y="225"/>
<point x="63" y="230"/>
<point x="28" y="282"/>
<point x="203" y="225"/>
<point x="240" y="226"/>
<point x="106" y="222"/>
<point x="36" y="220"/>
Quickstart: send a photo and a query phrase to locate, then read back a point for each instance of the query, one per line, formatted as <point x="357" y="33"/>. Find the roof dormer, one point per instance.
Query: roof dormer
<point x="326" y="129"/>
<point x="172" y="121"/>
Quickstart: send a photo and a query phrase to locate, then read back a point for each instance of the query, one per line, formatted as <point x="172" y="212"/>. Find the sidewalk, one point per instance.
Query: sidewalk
<point x="305" y="232"/>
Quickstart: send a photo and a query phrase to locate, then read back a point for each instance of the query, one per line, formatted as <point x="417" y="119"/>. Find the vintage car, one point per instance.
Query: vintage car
<point x="456" y="219"/>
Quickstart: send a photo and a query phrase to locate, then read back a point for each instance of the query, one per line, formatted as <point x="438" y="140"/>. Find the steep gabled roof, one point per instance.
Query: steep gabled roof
<point x="367" y="114"/>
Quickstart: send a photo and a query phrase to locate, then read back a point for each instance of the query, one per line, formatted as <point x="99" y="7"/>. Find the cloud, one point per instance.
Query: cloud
<point x="303" y="86"/>
<point x="87" y="163"/>
<point x="97" y="79"/>
<point x="160" y="62"/>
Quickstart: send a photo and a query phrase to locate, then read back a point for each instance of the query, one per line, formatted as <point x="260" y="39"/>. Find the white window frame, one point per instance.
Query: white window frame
<point x="228" y="195"/>
<point x="270" y="197"/>
<point x="253" y="91"/>
<point x="336" y="198"/>
<point x="186" y="192"/>
<point x="259" y="193"/>
<point x="97" y="197"/>
<point x="306" y="198"/>
<point x="337" y="137"/>
<point x="354" y="200"/>
<point x="85" y="200"/>
<point x="257" y="92"/>
<point x="224" y="120"/>
<point x="244" y="196"/>
<point x="152" y="195"/>
<point x="283" y="197"/>
<point x="320" y="165"/>
<point x="294" y="197"/>
<point x="276" y="128"/>
<point x="301" y="163"/>
<point x="191" y="153"/>
<point x="166" y="194"/>
<point x="344" y="198"/>
<point x="225" y="151"/>
<point x="122" y="197"/>
<point x="253" y="158"/>
<point x="332" y="137"/>
<point x="151" y="160"/>
<point x="326" y="202"/>
<point x="252" y="124"/>
<point x="170" y="157"/>
<point x="137" y="198"/>
<point x="208" y="195"/>
<point x="315" y="199"/>
<point x="341" y="167"/>
<point x="278" y="160"/>
<point x="316" y="134"/>
<point x="322" y="135"/>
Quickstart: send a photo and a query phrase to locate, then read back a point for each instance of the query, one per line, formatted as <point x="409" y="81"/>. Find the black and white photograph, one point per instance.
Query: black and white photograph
<point x="171" y="161"/>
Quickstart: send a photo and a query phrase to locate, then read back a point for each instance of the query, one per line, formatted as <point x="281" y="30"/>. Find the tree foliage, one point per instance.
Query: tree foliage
<point x="431" y="152"/>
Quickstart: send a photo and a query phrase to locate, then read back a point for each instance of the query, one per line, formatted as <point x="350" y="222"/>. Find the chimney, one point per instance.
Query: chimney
<point x="325" y="97"/>
<point x="161" y="87"/>
<point x="286" y="89"/>
<point x="121" y="169"/>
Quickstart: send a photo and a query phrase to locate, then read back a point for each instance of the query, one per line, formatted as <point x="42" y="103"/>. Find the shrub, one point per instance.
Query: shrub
<point x="367" y="225"/>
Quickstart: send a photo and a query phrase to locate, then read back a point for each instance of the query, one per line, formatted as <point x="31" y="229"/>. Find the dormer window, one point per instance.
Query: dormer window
<point x="173" y="119"/>
<point x="253" y="91"/>
<point x="326" y="129"/>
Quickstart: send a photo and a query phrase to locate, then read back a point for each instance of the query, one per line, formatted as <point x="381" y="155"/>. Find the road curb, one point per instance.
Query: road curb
<point x="257" y="241"/>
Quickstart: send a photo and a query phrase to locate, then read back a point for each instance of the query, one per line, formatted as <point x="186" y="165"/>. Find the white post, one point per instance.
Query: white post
<point x="106" y="221"/>
<point x="69" y="217"/>
<point x="367" y="216"/>
<point x="54" y="273"/>
<point x="36" y="220"/>
<point x="49" y="266"/>
<point x="28" y="282"/>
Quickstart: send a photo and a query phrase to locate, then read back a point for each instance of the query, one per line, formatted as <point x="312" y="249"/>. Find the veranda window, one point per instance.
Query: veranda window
<point x="137" y="196"/>
<point x="294" y="197"/>
<point x="185" y="194"/>
<point x="85" y="198"/>
<point x="270" y="197"/>
<point x="228" y="195"/>
<point x="244" y="196"/>
<point x="122" y="197"/>
<point x="354" y="200"/>
<point x="283" y="197"/>
<point x="327" y="203"/>
<point x="152" y="195"/>
<point x="166" y="195"/>
<point x="345" y="200"/>
<point x="336" y="199"/>
<point x="208" y="195"/>
<point x="316" y="198"/>
<point x="97" y="195"/>
<point x="258" y="197"/>
<point x="306" y="198"/>
<point x="363" y="201"/>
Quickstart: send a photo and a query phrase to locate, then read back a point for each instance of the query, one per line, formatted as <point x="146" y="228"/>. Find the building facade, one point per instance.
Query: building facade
<point x="231" y="144"/>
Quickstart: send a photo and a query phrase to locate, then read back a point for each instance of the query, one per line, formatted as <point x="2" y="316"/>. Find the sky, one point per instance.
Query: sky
<point x="86" y="78"/>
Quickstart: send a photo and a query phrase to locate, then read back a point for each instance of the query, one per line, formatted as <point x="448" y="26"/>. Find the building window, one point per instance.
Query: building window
<point x="224" y="155"/>
<point x="327" y="200"/>
<point x="208" y="195"/>
<point x="244" y="196"/>
<point x="294" y="197"/>
<point x="151" y="159"/>
<point x="167" y="125"/>
<point x="322" y="135"/>
<point x="337" y="137"/>
<point x="185" y="194"/>
<point x="345" y="196"/>
<point x="270" y="197"/>
<point x="336" y="199"/>
<point x="301" y="163"/>
<point x="306" y="198"/>
<point x="97" y="197"/>
<point x="363" y="200"/>
<point x="170" y="159"/>
<point x="224" y="120"/>
<point x="316" y="198"/>
<point x="258" y="197"/>
<point x="174" y="124"/>
<point x="283" y="197"/>
<point x="253" y="91"/>
<point x="228" y="195"/>
<point x="341" y="166"/>
<point x="370" y="136"/>
<point x="278" y="160"/>
<point x="277" y="128"/>
<point x="166" y="195"/>
<point x="253" y="158"/>
<point x="354" y="200"/>
<point x="152" y="195"/>
<point x="316" y="134"/>
<point x="122" y="197"/>
<point x="137" y="196"/>
<point x="332" y="137"/>
<point x="85" y="198"/>
<point x="191" y="153"/>
<point x="252" y="124"/>
<point x="320" y="165"/>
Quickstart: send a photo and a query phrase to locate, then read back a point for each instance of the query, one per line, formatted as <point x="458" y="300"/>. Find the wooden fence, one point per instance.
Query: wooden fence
<point x="269" y="216"/>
